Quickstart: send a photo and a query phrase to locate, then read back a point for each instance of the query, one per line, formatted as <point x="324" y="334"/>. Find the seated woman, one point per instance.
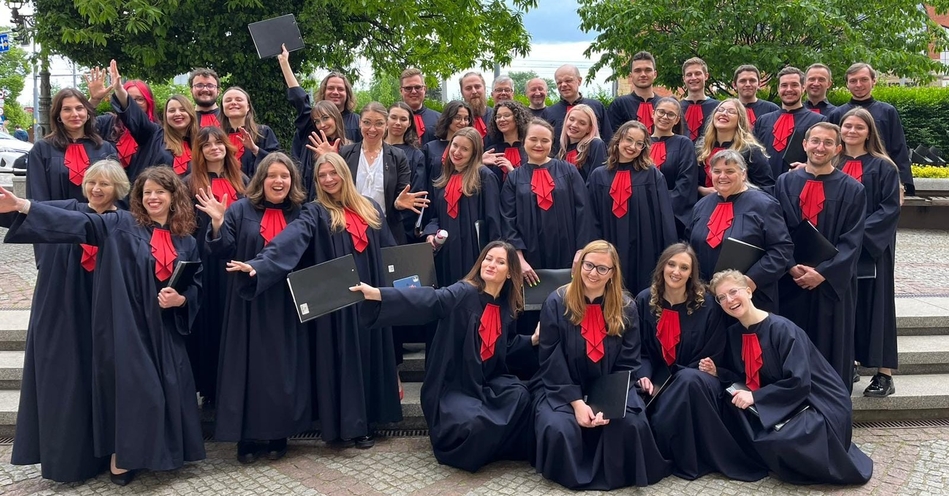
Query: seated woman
<point x="680" y="325"/>
<point x="783" y="373"/>
<point x="590" y="329"/>
<point x="476" y="411"/>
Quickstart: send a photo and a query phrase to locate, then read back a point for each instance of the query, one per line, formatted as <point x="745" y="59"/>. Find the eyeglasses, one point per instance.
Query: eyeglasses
<point x="732" y="293"/>
<point x="460" y="118"/>
<point x="503" y="90"/>
<point x="666" y="114"/>
<point x="637" y="144"/>
<point x="600" y="269"/>
<point x="202" y="86"/>
<point x="413" y="89"/>
<point x="817" y="142"/>
<point x="723" y="110"/>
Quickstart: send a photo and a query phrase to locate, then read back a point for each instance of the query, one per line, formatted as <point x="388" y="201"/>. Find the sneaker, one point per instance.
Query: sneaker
<point x="881" y="385"/>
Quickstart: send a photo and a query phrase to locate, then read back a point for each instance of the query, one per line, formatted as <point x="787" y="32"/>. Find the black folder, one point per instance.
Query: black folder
<point x="550" y="280"/>
<point x="795" y="150"/>
<point x="811" y="248"/>
<point x="399" y="262"/>
<point x="609" y="394"/>
<point x="740" y="386"/>
<point x="661" y="377"/>
<point x="324" y="288"/>
<point x="269" y="35"/>
<point x="737" y="255"/>
<point x="866" y="267"/>
<point x="183" y="275"/>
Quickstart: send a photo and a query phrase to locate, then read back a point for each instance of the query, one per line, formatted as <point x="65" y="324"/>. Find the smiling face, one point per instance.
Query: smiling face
<point x="494" y="268"/>
<point x="821" y="147"/>
<point x="373" y="126"/>
<point x="235" y="104"/>
<point x="593" y="281"/>
<point x="460" y="152"/>
<point x="472" y="89"/>
<point x="631" y="145"/>
<point x="860" y="84"/>
<point x="214" y="150"/>
<point x="136" y="95"/>
<point x="157" y="201"/>
<point x="504" y="120"/>
<point x="328" y="179"/>
<point x="327" y="124"/>
<point x="413" y="91"/>
<point x="790" y="90"/>
<point x="73" y="115"/>
<point x="817" y="81"/>
<point x="694" y="78"/>
<point x="100" y="192"/>
<point x="725" y="117"/>
<point x="677" y="271"/>
<point x="568" y="83"/>
<point x="854" y="132"/>
<point x="460" y="120"/>
<point x="578" y="125"/>
<point x="666" y="116"/>
<point x="537" y="92"/>
<point x="727" y="178"/>
<point x="176" y="116"/>
<point x="204" y="91"/>
<point x="336" y="92"/>
<point x="503" y="91"/>
<point x="537" y="143"/>
<point x="734" y="298"/>
<point x="277" y="183"/>
<point x="398" y="122"/>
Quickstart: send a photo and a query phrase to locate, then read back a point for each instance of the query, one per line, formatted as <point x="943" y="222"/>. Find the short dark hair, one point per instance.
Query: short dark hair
<point x="791" y="70"/>
<point x="643" y="55"/>
<point x="203" y="72"/>
<point x="746" y="68"/>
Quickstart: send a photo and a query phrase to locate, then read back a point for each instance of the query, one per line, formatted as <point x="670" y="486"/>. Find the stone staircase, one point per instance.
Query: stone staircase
<point x="922" y="383"/>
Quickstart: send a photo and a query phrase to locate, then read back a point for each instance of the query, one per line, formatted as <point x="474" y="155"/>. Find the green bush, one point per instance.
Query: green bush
<point x="930" y="172"/>
<point x="923" y="110"/>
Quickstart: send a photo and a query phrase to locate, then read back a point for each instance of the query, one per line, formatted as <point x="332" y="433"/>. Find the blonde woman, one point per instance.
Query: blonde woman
<point x="580" y="142"/>
<point x="730" y="130"/>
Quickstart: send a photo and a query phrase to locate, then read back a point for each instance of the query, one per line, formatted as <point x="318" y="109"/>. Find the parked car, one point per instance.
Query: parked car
<point x="10" y="150"/>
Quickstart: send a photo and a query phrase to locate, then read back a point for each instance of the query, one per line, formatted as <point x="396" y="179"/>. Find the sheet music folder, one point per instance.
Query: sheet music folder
<point x="550" y="280"/>
<point x="270" y="34"/>
<point x="399" y="262"/>
<point x="324" y="288"/>
<point x="609" y="394"/>
<point x="183" y="275"/>
<point x="661" y="377"/>
<point x="737" y="255"/>
<point x="810" y="246"/>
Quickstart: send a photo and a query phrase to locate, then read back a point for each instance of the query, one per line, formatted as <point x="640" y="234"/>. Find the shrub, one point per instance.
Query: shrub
<point x="930" y="172"/>
<point x="924" y="112"/>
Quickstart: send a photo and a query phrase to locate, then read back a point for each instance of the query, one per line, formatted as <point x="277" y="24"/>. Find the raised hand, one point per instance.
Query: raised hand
<point x="215" y="209"/>
<point x="117" y="87"/>
<point x="411" y="201"/>
<point x="95" y="80"/>
<point x="320" y="144"/>
<point x="248" y="140"/>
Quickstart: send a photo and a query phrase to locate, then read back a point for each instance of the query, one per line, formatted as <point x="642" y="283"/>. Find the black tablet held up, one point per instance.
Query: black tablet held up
<point x="609" y="395"/>
<point x="399" y="262"/>
<point x="183" y="275"/>
<point x="737" y="255"/>
<point x="811" y="248"/>
<point x="269" y="35"/>
<point x="324" y="288"/>
<point x="550" y="280"/>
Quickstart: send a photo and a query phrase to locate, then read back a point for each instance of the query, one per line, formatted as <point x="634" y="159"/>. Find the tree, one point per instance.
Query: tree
<point x="892" y="35"/>
<point x="157" y="39"/>
<point x="522" y="77"/>
<point x="14" y="67"/>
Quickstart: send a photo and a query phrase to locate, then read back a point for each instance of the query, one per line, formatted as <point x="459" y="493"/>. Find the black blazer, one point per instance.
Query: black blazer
<point x="396" y="175"/>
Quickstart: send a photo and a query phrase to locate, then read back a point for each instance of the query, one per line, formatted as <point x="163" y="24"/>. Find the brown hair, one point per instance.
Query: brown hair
<point x="411" y="136"/>
<point x="199" y="164"/>
<point x="203" y="72"/>
<point x="470" y="175"/>
<point x="515" y="280"/>
<point x="825" y="125"/>
<point x="348" y="196"/>
<point x="350" y="103"/>
<point x="181" y="215"/>
<point x="325" y="107"/>
<point x="643" y="161"/>
<point x="695" y="290"/>
<point x="873" y="145"/>
<point x="57" y="134"/>
<point x="250" y="123"/>
<point x="174" y="140"/>
<point x="614" y="299"/>
<point x="255" y="189"/>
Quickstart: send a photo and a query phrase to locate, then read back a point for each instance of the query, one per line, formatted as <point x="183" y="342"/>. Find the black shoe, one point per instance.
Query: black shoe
<point x="122" y="479"/>
<point x="881" y="385"/>
<point x="365" y="442"/>
<point x="247" y="452"/>
<point x="276" y="449"/>
<point x="856" y="376"/>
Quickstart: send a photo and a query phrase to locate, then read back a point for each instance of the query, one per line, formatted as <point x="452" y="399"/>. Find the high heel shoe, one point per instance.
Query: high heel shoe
<point x="122" y="479"/>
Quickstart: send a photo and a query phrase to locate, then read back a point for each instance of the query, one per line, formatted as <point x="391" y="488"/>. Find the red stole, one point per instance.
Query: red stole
<point x="181" y="161"/>
<point x="620" y="191"/>
<point x="238" y="144"/>
<point x="668" y="331"/>
<point x="220" y="186"/>
<point x="815" y="110"/>
<point x="693" y="119"/>
<point x="271" y="224"/>
<point x="453" y="194"/>
<point x="751" y="116"/>
<point x="89" y="257"/>
<point x="209" y="119"/>
<point x="751" y="355"/>
<point x="854" y="169"/>
<point x="76" y="161"/>
<point x="543" y="185"/>
<point x="719" y="222"/>
<point x="593" y="330"/>
<point x="658" y="152"/>
<point x="782" y="130"/>
<point x="357" y="227"/>
<point x="513" y="154"/>
<point x="489" y="330"/>
<point x="812" y="200"/>
<point x="478" y="124"/>
<point x="419" y="124"/>
<point x="126" y="147"/>
<point x="571" y="157"/>
<point x="644" y="115"/>
<point x="164" y="252"/>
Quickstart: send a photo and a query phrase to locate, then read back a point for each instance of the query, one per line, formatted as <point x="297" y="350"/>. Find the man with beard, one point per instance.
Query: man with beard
<point x="697" y="107"/>
<point x="537" y="94"/>
<point x="472" y="92"/>
<point x="568" y="82"/>
<point x="502" y="89"/>
<point x="636" y="106"/>
<point x="336" y="89"/>
<point x="782" y="132"/>
<point x="205" y="86"/>
<point x="817" y="81"/>
<point x="747" y="81"/>
<point x="412" y="87"/>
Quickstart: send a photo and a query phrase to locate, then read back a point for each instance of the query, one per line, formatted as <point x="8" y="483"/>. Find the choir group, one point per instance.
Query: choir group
<point x="745" y="374"/>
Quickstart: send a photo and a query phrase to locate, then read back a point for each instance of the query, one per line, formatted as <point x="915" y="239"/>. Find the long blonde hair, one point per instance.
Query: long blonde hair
<point x="348" y="196"/>
<point x="614" y="298"/>
<point x="744" y="139"/>
<point x="583" y="146"/>
<point x="470" y="176"/>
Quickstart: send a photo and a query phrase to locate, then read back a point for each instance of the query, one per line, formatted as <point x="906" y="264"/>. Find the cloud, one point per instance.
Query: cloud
<point x="555" y="21"/>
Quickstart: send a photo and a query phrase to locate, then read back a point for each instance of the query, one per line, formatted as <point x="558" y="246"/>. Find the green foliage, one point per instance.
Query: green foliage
<point x="522" y="77"/>
<point x="924" y="111"/>
<point x="14" y="68"/>
<point x="16" y="115"/>
<point x="892" y="35"/>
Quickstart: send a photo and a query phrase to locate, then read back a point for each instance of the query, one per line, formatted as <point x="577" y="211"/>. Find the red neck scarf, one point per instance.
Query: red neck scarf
<point x="694" y="118"/>
<point x="164" y="252"/>
<point x="620" y="191"/>
<point x="854" y="169"/>
<point x="815" y="110"/>
<point x="489" y="330"/>
<point x="513" y="154"/>
<point x="183" y="161"/>
<point x="419" y="124"/>
<point x="478" y="124"/>
<point x="543" y="185"/>
<point x="271" y="224"/>
<point x="453" y="194"/>
<point x="668" y="331"/>
<point x="238" y="144"/>
<point x="719" y="222"/>
<point x="357" y="227"/>
<point x="782" y="130"/>
<point x="708" y="166"/>
<point x="89" y="257"/>
<point x="658" y="152"/>
<point x="76" y="161"/>
<point x="126" y="146"/>
<point x="210" y="119"/>
<point x="220" y="186"/>
<point x="812" y="200"/>
<point x="644" y="115"/>
<point x="571" y="157"/>
<point x="751" y="355"/>
<point x="593" y="330"/>
<point x="751" y="116"/>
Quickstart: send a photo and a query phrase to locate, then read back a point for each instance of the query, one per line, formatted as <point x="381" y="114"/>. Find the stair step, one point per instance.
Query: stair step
<point x="922" y="316"/>
<point x="13" y="324"/>
<point x="917" y="397"/>
<point x="923" y="354"/>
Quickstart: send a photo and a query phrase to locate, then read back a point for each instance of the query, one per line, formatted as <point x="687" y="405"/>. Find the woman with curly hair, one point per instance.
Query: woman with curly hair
<point x="504" y="144"/>
<point x="729" y="130"/>
<point x="580" y="142"/>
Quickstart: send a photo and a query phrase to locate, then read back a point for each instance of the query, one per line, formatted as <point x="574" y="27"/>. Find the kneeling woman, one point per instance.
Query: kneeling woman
<point x="589" y="329"/>
<point x="476" y="411"/>
<point x="784" y="373"/>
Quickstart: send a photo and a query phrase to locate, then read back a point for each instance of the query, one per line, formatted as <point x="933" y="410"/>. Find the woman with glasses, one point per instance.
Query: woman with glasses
<point x="504" y="144"/>
<point x="589" y="329"/>
<point x="580" y="142"/>
<point x="631" y="205"/>
<point x="730" y="131"/>
<point x="790" y="409"/>
<point x="674" y="156"/>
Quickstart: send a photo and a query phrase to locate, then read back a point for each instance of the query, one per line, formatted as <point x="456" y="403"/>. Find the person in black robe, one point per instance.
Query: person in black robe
<point x="252" y="141"/>
<point x="54" y="415"/>
<point x="746" y="82"/>
<point x="412" y="88"/>
<point x="355" y="378"/>
<point x="875" y="329"/>
<point x="456" y="115"/>
<point x="263" y="375"/>
<point x="681" y="325"/>
<point x="590" y="329"/>
<point x="504" y="144"/>
<point x="786" y="381"/>
<point x="674" y="156"/>
<point x="472" y="89"/>
<point x="336" y="89"/>
<point x="402" y="134"/>
<point x="729" y="130"/>
<point x="144" y="412"/>
<point x="817" y="80"/>
<point x="745" y="213"/>
<point x="697" y="106"/>
<point x="580" y="143"/>
<point x="205" y="89"/>
<point x="629" y="200"/>
<point x="822" y="299"/>
<point x="568" y="81"/>
<point x="632" y="107"/>
<point x="476" y="411"/>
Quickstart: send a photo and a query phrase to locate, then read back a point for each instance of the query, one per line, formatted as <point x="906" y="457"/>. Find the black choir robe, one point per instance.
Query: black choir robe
<point x="826" y="313"/>
<point x="596" y="157"/>
<point x="396" y="175"/>
<point x="485" y="119"/>
<point x="680" y="169"/>
<point x="759" y="169"/>
<point x="145" y="152"/>
<point x="822" y="107"/>
<point x="815" y="447"/>
<point x="459" y="253"/>
<point x="212" y="117"/>
<point x="354" y="371"/>
<point x="764" y="133"/>
<point x="758" y="108"/>
<point x="47" y="177"/>
<point x="647" y="228"/>
<point x="266" y="142"/>
<point x="476" y="411"/>
<point x="143" y="395"/>
<point x="758" y="221"/>
<point x="351" y="123"/>
<point x="304" y="124"/>
<point x="435" y="152"/>
<point x="264" y="368"/>
<point x="685" y="417"/>
<point x="416" y="160"/>
<point x="54" y="417"/>
<point x="430" y="120"/>
<point x="494" y="145"/>
<point x="875" y="329"/>
<point x="557" y="114"/>
<point x="626" y="108"/>
<point x="540" y="113"/>
<point x="890" y="128"/>
<point x="619" y="454"/>
<point x="694" y="131"/>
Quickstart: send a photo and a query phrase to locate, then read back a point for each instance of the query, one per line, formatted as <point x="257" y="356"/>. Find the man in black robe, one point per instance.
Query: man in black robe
<point x="502" y="89"/>
<point x="817" y="80"/>
<point x="860" y="80"/>
<point x="821" y="299"/>
<point x="747" y="82"/>
<point x="636" y="106"/>
<point x="568" y="85"/>
<point x="536" y="91"/>
<point x="472" y="92"/>
<point x="412" y="87"/>
<point x="205" y="87"/>
<point x="335" y="88"/>
<point x="697" y="107"/>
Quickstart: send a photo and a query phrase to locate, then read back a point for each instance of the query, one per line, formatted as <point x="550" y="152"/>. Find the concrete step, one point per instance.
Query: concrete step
<point x="917" y="397"/>
<point x="922" y="316"/>
<point x="13" y="324"/>
<point x="923" y="354"/>
<point x="11" y="369"/>
<point x="9" y="401"/>
<point x="413" y="366"/>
